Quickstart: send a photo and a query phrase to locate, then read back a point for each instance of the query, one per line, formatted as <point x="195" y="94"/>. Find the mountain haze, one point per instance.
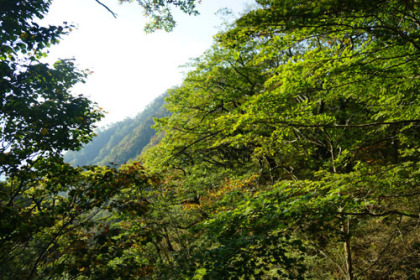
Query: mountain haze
<point x="122" y="141"/>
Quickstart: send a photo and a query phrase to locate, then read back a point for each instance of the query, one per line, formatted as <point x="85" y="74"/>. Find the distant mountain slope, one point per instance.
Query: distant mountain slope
<point x="121" y="141"/>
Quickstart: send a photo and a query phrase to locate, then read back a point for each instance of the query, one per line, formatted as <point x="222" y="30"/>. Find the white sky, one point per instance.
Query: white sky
<point x="130" y="67"/>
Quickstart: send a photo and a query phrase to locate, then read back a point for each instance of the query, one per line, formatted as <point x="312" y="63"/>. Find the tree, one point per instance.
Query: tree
<point x="59" y="221"/>
<point x="39" y="116"/>
<point x="49" y="211"/>
<point x="331" y="129"/>
<point x="40" y="119"/>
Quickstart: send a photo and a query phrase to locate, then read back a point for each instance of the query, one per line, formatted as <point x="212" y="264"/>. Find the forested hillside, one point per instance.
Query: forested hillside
<point x="290" y="151"/>
<point x="294" y="146"/>
<point x="122" y="141"/>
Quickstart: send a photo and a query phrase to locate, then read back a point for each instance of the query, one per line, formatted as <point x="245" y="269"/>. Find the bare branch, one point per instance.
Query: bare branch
<point x="106" y="7"/>
<point x="392" y="212"/>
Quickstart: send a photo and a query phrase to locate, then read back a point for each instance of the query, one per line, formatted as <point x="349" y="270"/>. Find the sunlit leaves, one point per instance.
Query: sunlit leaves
<point x="319" y="99"/>
<point x="160" y="12"/>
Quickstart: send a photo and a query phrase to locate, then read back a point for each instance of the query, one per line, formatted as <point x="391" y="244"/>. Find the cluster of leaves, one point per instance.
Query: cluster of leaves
<point x="160" y="12"/>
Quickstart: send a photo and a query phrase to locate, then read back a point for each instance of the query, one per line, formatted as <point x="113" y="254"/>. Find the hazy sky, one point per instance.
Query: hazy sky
<point x="130" y="68"/>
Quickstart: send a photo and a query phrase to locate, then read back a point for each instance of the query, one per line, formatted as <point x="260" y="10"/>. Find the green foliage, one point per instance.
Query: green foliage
<point x="319" y="101"/>
<point x="40" y="196"/>
<point x="291" y="152"/>
<point x="160" y="12"/>
<point x="59" y="225"/>
<point x="38" y="114"/>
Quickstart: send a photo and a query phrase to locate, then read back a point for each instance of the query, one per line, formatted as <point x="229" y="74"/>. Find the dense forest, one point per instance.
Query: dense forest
<point x="290" y="151"/>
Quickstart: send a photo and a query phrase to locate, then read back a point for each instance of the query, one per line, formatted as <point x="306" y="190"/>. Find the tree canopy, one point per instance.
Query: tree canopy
<point x="318" y="101"/>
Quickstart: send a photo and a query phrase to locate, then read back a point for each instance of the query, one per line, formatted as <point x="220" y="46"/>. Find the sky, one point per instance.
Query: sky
<point x="131" y="68"/>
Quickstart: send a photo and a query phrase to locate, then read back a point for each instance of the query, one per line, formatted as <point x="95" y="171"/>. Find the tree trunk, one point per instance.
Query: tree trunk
<point x="347" y="248"/>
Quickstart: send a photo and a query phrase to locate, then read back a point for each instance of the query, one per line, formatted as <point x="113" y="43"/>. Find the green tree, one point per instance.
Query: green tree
<point x="58" y="221"/>
<point x="38" y="114"/>
<point x="39" y="120"/>
<point x="320" y="101"/>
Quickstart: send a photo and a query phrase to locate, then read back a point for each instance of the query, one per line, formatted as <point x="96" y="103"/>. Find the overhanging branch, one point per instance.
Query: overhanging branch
<point x="301" y="125"/>
<point x="107" y="8"/>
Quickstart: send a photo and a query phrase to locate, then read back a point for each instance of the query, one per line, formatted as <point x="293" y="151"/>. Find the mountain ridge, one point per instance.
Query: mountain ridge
<point x="121" y="141"/>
